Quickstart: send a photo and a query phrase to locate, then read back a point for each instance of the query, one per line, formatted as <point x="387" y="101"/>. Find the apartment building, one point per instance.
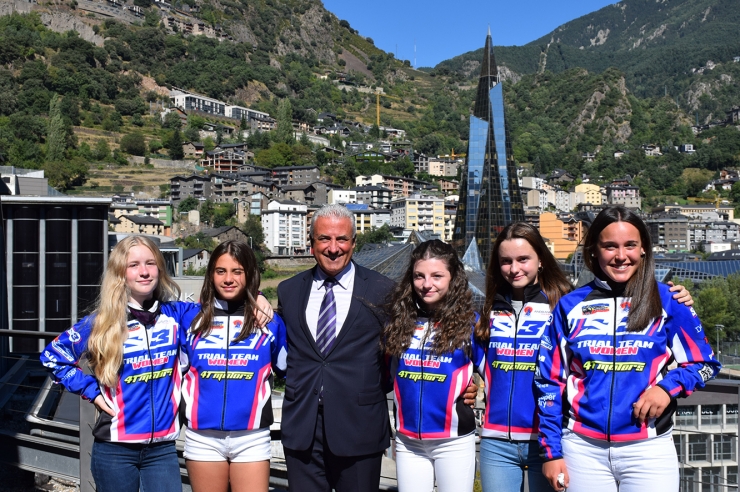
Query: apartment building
<point x="284" y="226"/>
<point x="591" y="193"/>
<point x="375" y="196"/>
<point x="564" y="233"/>
<point x="419" y="213"/>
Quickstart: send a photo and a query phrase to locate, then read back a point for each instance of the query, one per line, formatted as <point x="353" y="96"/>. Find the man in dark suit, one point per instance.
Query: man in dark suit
<point x="335" y="416"/>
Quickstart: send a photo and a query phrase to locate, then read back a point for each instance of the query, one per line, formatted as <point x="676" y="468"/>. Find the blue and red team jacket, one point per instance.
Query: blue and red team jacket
<point x="147" y="396"/>
<point x="592" y="370"/>
<point x="511" y="360"/>
<point x="236" y="395"/>
<point x="428" y="388"/>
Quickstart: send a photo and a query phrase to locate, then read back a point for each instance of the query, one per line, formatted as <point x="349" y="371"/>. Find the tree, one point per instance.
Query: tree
<point x="253" y="228"/>
<point x="57" y="133"/>
<point x="197" y="241"/>
<point x="175" y="150"/>
<point x="284" y="131"/>
<point x="101" y="151"/>
<point x="188" y="204"/>
<point x="134" y="144"/>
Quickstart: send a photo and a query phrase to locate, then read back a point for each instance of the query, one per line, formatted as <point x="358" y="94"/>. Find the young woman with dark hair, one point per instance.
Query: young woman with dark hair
<point x="227" y="387"/>
<point x="605" y="394"/>
<point x="524" y="282"/>
<point x="429" y="340"/>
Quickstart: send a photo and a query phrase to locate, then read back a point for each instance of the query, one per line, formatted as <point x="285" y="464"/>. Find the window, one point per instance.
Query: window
<point x="711" y="480"/>
<point x="698" y="447"/>
<point x="711" y="415"/>
<point x="723" y="448"/>
<point x="686" y="417"/>
<point x="731" y="475"/>
<point x="688" y="479"/>
<point x="730" y="414"/>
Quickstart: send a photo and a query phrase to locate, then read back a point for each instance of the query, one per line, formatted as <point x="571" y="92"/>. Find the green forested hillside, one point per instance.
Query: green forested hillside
<point x="56" y="90"/>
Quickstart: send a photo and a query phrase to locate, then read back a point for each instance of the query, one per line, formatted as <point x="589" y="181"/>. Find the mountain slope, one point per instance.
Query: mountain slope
<point x="659" y="45"/>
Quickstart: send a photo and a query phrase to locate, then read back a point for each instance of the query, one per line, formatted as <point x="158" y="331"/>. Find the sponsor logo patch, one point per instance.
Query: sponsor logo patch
<point x="595" y="308"/>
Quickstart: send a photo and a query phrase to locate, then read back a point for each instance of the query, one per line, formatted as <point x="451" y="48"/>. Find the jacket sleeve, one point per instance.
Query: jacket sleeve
<point x="184" y="314"/>
<point x="549" y="384"/>
<point x="478" y="352"/>
<point x="690" y="349"/>
<point x="62" y="357"/>
<point x="279" y="349"/>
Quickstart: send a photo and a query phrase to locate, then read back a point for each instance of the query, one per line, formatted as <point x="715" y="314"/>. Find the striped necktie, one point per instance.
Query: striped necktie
<point x="326" y="329"/>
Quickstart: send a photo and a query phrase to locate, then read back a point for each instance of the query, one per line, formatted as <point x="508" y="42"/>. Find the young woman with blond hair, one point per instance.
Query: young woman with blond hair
<point x="132" y="342"/>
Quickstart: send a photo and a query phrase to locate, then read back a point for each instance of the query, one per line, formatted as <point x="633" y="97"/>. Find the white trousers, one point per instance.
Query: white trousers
<point x="638" y="466"/>
<point x="451" y="461"/>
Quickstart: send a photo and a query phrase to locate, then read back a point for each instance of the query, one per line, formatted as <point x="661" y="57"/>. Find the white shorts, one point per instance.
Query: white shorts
<point x="236" y="446"/>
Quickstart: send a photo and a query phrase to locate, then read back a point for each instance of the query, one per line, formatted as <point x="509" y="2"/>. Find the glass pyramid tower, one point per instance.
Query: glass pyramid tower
<point x="490" y="197"/>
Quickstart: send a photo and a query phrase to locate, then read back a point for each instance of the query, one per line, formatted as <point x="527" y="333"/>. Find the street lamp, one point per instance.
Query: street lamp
<point x="718" y="328"/>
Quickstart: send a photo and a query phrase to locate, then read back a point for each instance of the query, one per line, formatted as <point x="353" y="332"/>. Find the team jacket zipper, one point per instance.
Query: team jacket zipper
<point x="614" y="366"/>
<point x="226" y="373"/>
<point x="513" y="369"/>
<point x="151" y="379"/>
<point x="421" y="386"/>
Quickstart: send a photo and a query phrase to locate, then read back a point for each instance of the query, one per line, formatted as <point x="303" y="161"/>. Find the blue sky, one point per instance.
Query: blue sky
<point x="443" y="29"/>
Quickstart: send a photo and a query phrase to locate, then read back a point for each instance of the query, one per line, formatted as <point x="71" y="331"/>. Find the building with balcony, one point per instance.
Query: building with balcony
<point x="591" y="193"/>
<point x="295" y="175"/>
<point x="375" y="196"/>
<point x="419" y="213"/>
<point x="182" y="187"/>
<point x="669" y="231"/>
<point x="367" y="219"/>
<point x="627" y="196"/>
<point x="705" y="435"/>
<point x="564" y="233"/>
<point x="284" y="225"/>
<point x="342" y="196"/>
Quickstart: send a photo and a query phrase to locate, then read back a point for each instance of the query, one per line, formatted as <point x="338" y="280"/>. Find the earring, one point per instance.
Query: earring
<point x="539" y="270"/>
<point x="642" y="255"/>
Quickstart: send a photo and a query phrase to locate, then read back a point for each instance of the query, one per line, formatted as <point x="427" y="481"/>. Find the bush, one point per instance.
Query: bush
<point x="270" y="293"/>
<point x="134" y="144"/>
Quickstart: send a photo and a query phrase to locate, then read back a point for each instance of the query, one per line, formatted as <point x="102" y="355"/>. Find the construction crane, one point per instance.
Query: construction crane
<point x="717" y="200"/>
<point x="377" y="104"/>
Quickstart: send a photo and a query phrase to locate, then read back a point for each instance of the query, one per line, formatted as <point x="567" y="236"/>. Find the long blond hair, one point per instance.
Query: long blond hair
<point x="109" y="332"/>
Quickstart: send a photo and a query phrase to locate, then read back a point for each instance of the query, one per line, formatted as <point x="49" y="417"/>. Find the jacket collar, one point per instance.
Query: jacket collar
<point x="531" y="293"/>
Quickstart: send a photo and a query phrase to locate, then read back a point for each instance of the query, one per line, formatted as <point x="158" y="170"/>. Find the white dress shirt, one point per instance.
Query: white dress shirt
<point x="342" y="296"/>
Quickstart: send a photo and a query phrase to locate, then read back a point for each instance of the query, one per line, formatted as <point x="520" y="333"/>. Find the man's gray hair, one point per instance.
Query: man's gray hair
<point x="335" y="210"/>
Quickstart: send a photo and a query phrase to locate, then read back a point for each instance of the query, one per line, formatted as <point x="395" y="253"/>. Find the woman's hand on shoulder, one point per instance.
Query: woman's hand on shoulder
<point x="102" y="406"/>
<point x="552" y="470"/>
<point x="681" y="294"/>
<point x="263" y="312"/>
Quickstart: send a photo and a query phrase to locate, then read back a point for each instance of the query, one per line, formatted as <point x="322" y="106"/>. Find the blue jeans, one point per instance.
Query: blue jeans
<point x="119" y="467"/>
<point x="503" y="463"/>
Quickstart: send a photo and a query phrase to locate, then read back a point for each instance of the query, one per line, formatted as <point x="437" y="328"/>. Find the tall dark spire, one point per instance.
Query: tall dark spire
<point x="488" y="78"/>
<point x="489" y="192"/>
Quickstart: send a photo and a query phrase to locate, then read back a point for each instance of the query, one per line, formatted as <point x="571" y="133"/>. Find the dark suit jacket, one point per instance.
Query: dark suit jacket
<point x="355" y="409"/>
